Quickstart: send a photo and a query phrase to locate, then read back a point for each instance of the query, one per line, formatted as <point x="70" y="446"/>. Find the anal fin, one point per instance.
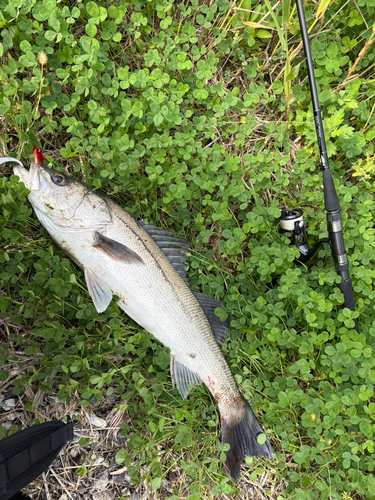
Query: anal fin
<point x="183" y="378"/>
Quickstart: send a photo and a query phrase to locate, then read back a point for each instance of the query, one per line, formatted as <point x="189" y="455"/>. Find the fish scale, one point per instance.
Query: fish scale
<point x="120" y="257"/>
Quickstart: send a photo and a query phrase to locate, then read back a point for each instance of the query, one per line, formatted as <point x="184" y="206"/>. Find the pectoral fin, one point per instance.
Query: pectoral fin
<point x="183" y="378"/>
<point x="116" y="250"/>
<point x="101" y="295"/>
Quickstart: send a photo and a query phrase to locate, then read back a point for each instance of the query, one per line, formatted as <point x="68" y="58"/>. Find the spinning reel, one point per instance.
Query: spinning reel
<point x="292" y="223"/>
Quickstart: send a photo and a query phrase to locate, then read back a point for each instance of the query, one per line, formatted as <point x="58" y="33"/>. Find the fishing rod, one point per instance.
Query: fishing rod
<point x="292" y="221"/>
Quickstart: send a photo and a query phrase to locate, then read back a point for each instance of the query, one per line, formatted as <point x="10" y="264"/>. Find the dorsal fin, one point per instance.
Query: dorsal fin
<point x="175" y="249"/>
<point x="220" y="328"/>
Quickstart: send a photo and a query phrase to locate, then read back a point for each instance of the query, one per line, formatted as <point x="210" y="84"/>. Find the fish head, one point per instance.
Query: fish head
<point x="61" y="202"/>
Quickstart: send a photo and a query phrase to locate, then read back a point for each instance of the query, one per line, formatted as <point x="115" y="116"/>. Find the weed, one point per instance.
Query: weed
<point x="178" y="113"/>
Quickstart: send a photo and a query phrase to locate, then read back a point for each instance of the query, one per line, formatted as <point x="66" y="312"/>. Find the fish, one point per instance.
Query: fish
<point x="145" y="268"/>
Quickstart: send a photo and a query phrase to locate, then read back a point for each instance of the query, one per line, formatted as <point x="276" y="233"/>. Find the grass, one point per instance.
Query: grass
<point x="188" y="118"/>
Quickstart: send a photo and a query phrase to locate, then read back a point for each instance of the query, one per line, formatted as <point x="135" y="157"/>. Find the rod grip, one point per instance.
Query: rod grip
<point x="331" y="202"/>
<point x="336" y="240"/>
<point x="346" y="289"/>
<point x="340" y="259"/>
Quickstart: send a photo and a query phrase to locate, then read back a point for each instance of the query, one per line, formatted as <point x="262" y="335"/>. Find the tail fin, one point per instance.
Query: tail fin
<point x="242" y="439"/>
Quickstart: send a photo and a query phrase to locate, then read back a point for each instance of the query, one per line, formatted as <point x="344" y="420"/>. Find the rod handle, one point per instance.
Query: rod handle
<point x="346" y="289"/>
<point x="331" y="201"/>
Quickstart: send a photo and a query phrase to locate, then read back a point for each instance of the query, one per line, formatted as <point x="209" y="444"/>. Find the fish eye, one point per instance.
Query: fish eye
<point x="59" y="179"/>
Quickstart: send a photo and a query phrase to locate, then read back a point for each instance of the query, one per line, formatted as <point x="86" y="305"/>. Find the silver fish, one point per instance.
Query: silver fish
<point x="144" y="267"/>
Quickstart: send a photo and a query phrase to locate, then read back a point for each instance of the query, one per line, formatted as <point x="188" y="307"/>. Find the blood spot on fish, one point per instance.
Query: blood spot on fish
<point x="211" y="383"/>
<point x="103" y="249"/>
<point x="192" y="355"/>
<point x="235" y="401"/>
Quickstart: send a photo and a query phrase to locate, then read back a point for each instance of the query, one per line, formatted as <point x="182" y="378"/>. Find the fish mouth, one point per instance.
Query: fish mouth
<point x="18" y="169"/>
<point x="33" y="178"/>
<point x="22" y="173"/>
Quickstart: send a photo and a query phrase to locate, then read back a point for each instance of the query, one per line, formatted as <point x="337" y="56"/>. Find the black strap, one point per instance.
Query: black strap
<point x="19" y="496"/>
<point x="15" y="465"/>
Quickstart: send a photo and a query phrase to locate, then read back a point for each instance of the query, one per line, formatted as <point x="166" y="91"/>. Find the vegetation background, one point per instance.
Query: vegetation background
<point x="196" y="116"/>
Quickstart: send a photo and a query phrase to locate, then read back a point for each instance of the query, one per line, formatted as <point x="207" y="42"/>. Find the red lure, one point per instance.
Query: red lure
<point x="38" y="155"/>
